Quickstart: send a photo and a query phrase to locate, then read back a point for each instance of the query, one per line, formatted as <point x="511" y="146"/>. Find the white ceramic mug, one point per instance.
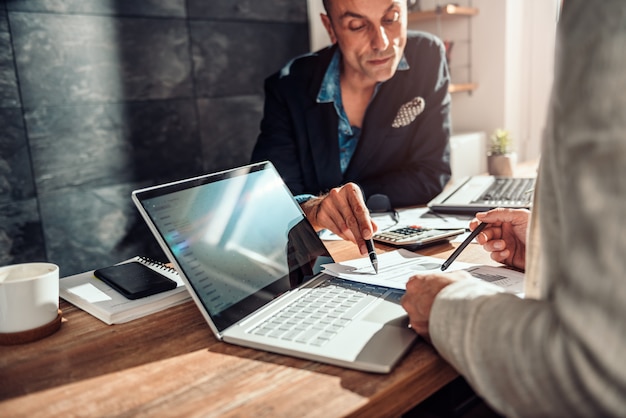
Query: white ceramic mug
<point x="29" y="296"/>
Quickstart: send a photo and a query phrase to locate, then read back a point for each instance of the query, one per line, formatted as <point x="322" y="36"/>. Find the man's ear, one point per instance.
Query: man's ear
<point x="329" y="28"/>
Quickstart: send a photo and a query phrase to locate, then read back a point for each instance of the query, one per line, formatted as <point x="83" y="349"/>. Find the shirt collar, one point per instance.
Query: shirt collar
<point x="330" y="90"/>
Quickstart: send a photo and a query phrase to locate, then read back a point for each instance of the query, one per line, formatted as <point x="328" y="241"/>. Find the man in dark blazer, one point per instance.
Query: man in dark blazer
<point x="367" y="115"/>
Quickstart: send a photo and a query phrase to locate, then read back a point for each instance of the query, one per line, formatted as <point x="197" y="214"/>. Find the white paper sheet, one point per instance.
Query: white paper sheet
<point x="510" y="280"/>
<point x="394" y="268"/>
<point x="426" y="219"/>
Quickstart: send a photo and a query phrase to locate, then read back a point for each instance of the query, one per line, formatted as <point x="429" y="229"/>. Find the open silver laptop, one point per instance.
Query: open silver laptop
<point x="480" y="193"/>
<point x="251" y="262"/>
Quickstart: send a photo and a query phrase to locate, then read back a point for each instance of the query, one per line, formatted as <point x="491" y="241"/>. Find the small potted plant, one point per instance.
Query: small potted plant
<point x="501" y="157"/>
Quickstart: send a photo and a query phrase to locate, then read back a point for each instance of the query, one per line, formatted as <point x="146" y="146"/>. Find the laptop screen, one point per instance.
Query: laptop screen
<point x="239" y="237"/>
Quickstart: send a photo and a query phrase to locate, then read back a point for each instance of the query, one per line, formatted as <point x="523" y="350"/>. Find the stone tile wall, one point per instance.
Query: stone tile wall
<point x="100" y="97"/>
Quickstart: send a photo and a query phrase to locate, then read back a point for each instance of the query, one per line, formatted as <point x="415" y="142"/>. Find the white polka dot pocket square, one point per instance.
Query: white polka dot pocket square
<point x="408" y="112"/>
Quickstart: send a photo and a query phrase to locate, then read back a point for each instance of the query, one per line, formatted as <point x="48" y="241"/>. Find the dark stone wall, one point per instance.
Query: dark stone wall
<point x="98" y="98"/>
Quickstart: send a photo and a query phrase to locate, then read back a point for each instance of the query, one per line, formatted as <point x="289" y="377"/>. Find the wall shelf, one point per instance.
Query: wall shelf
<point x="464" y="87"/>
<point x="446" y="11"/>
<point x="442" y="13"/>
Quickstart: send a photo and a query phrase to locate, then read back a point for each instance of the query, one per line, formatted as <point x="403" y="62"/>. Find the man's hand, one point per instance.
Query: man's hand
<point x="505" y="235"/>
<point x="421" y="291"/>
<point x="342" y="211"/>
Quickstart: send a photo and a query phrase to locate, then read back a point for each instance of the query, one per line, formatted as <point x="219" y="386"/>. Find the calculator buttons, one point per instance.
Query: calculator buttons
<point x="405" y="234"/>
<point x="414" y="236"/>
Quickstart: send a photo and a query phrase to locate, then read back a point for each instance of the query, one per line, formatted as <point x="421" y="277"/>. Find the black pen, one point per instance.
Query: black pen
<point x="461" y="247"/>
<point x="369" y="243"/>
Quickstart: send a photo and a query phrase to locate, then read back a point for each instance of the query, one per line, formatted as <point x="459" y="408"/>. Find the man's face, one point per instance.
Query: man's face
<point x="371" y="35"/>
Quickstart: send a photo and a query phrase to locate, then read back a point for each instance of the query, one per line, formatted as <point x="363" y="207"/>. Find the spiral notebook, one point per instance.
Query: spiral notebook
<point x="95" y="297"/>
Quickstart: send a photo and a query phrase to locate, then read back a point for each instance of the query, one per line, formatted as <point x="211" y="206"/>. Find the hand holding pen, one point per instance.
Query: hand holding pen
<point x="504" y="236"/>
<point x="461" y="247"/>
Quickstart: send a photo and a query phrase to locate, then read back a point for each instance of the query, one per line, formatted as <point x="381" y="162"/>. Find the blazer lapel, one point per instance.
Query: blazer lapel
<point x="376" y="127"/>
<point x="322" y="125"/>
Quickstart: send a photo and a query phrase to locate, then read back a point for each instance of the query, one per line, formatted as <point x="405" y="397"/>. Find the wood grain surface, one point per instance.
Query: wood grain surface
<point x="170" y="364"/>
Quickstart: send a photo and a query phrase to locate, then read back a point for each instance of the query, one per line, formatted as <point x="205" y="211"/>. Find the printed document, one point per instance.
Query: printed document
<point x="396" y="267"/>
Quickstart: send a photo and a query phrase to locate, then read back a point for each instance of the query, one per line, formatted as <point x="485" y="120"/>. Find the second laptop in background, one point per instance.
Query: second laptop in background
<point x="481" y="193"/>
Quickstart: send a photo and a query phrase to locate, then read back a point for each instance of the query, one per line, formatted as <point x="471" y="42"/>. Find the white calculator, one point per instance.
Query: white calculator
<point x="413" y="237"/>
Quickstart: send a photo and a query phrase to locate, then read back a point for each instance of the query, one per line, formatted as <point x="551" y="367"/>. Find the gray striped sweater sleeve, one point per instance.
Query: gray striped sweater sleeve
<point x="561" y="353"/>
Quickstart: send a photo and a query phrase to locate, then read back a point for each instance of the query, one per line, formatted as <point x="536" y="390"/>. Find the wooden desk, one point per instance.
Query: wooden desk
<point x="170" y="364"/>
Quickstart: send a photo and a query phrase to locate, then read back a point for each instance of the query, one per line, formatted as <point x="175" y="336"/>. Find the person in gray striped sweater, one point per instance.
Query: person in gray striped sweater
<point x="560" y="350"/>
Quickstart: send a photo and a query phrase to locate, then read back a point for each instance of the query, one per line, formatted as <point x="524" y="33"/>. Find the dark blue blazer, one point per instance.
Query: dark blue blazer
<point x="409" y="164"/>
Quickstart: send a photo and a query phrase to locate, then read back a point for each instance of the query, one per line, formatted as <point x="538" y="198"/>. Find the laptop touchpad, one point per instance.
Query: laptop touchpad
<point x="389" y="313"/>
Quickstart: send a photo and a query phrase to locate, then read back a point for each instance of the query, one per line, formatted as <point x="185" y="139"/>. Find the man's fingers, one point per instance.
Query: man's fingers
<point x="336" y="207"/>
<point x="500" y="256"/>
<point x="502" y="215"/>
<point x="337" y="214"/>
<point x="355" y="212"/>
<point x="332" y="218"/>
<point x="421" y="327"/>
<point x="343" y="211"/>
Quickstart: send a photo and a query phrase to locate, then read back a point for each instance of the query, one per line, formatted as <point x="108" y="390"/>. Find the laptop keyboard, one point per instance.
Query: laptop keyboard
<point x="513" y="191"/>
<point x="317" y="317"/>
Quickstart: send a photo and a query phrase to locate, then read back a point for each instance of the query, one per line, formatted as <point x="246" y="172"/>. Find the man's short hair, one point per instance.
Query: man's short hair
<point x="326" y="5"/>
